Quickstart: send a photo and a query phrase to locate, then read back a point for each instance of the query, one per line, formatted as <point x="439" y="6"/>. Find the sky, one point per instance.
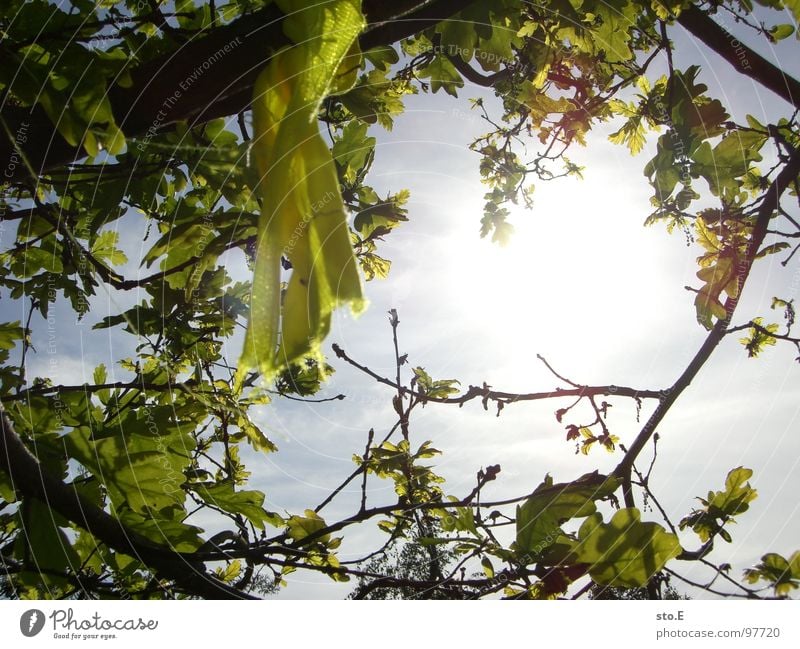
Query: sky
<point x="583" y="283"/>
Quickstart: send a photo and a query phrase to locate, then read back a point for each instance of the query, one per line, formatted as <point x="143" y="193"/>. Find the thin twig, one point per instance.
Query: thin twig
<point x="354" y="474"/>
<point x="366" y="472"/>
<point x="485" y="394"/>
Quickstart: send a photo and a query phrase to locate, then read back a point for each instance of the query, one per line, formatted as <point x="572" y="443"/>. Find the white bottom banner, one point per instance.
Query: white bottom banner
<point x="390" y="625"/>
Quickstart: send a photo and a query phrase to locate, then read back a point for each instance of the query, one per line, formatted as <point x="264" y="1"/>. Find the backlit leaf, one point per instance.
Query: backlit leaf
<point x="624" y="552"/>
<point x="248" y="503"/>
<point x="539" y="518"/>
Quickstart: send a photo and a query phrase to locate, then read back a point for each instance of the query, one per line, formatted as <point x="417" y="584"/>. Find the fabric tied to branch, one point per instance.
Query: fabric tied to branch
<point x="302" y="215"/>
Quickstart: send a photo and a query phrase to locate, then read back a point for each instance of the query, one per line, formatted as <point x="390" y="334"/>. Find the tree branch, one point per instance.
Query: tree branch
<point x="51" y="390"/>
<point x="769" y="205"/>
<point x="472" y="75"/>
<point x="424" y="15"/>
<point x="741" y="57"/>
<point x="486" y="394"/>
<point x="763" y="330"/>
<point x="109" y="275"/>
<point x="180" y="85"/>
<point x="32" y="481"/>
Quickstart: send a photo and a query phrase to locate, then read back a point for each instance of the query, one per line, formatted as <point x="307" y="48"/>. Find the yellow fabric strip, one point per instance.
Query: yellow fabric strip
<point x="302" y="215"/>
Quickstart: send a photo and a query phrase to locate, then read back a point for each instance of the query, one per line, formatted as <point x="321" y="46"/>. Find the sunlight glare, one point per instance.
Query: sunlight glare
<point x="580" y="277"/>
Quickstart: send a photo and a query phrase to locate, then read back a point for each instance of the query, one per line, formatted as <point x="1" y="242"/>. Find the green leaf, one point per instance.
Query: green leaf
<point x="304" y="378"/>
<point x="44" y="544"/>
<point x="458" y="38"/>
<point x="37" y="416"/>
<point x="708" y="307"/>
<point x="721" y="506"/>
<point x="632" y="133"/>
<point x="737" y="496"/>
<point x="174" y="534"/>
<point x="386" y="213"/>
<point x="695" y="116"/>
<point x="105" y="248"/>
<point x="435" y="389"/>
<point x="99" y="375"/>
<point x="539" y="518"/>
<point x="759" y="337"/>
<point x="303" y="216"/>
<point x="497" y="50"/>
<point x="230" y="572"/>
<point x="729" y="160"/>
<point x="46" y="257"/>
<point x="382" y="56"/>
<point x="783" y="574"/>
<point x="7" y="492"/>
<point x="789" y="314"/>
<point x="771" y="249"/>
<point x="624" y="552"/>
<point x="791" y="5"/>
<point x="461" y="520"/>
<point x="663" y="171"/>
<point x="248" y="503"/>
<point x="614" y="32"/>
<point x="443" y="76"/>
<point x="376" y="98"/>
<point x="353" y="149"/>
<point x="374" y="266"/>
<point x="10" y="332"/>
<point x="141" y="471"/>
<point x="301" y="527"/>
<point x="666" y="9"/>
<point x="258" y="440"/>
<point x="779" y="32"/>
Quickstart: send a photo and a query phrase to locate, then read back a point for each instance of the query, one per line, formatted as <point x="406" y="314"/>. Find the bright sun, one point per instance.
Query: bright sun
<point x="580" y="276"/>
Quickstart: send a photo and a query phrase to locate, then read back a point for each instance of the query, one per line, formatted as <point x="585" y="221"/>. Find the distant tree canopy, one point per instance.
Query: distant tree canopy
<point x="248" y="127"/>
